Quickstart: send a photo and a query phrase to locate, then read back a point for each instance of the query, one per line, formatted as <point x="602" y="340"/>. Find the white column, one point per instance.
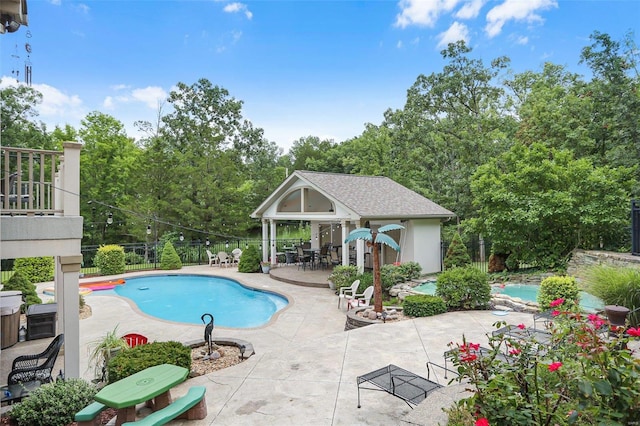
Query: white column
<point x="71" y="179"/>
<point x="67" y="274"/>
<point x="265" y="240"/>
<point x="272" y="241"/>
<point x="345" y="247"/>
<point x="360" y="255"/>
<point x="315" y="235"/>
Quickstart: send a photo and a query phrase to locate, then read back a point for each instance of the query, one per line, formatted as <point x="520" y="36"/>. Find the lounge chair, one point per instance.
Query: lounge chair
<point x="335" y="260"/>
<point x="236" y="253"/>
<point x="212" y="258"/>
<point x="223" y="257"/>
<point x="134" y="339"/>
<point x="348" y="292"/>
<point x="28" y="368"/>
<point x="360" y="300"/>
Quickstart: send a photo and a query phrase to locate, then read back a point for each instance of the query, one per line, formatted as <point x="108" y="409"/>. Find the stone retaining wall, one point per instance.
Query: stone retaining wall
<point x="581" y="260"/>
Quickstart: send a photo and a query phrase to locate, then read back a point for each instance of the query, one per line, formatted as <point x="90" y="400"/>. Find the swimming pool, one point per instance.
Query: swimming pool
<point x="184" y="298"/>
<point x="527" y="292"/>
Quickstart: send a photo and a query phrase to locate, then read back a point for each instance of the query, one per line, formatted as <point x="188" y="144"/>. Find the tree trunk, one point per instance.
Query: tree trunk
<point x="377" y="284"/>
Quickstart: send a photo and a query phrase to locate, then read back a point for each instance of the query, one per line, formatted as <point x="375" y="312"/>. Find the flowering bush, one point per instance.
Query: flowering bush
<point x="584" y="375"/>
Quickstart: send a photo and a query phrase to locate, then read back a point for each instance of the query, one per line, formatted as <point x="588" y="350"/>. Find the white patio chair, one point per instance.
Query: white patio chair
<point x="364" y="301"/>
<point x="236" y="253"/>
<point x="348" y="292"/>
<point x="223" y="257"/>
<point x="212" y="258"/>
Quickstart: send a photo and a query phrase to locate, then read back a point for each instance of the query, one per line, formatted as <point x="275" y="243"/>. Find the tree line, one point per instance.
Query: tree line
<point x="538" y="162"/>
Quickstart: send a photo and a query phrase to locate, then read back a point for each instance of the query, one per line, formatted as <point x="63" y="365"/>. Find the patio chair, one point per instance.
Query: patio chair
<point x="324" y="259"/>
<point x="212" y="258"/>
<point x="28" y="368"/>
<point x="134" y="339"/>
<point x="348" y="292"/>
<point x="303" y="259"/>
<point x="363" y="301"/>
<point x="236" y="253"/>
<point x="335" y="260"/>
<point x="223" y="257"/>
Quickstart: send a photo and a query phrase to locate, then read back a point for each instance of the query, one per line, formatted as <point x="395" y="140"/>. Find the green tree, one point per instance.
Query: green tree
<point x="375" y="240"/>
<point x="539" y="203"/>
<point x="18" y="282"/>
<point x="457" y="253"/>
<point x="18" y="114"/>
<point x="306" y="150"/>
<point x="170" y="258"/>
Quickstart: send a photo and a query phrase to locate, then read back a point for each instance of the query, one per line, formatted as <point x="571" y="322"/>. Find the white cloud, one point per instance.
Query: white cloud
<point x="238" y="7"/>
<point x="120" y="87"/>
<point x="421" y="12"/>
<point x="470" y="9"/>
<point x="522" y="40"/>
<point x="58" y="104"/>
<point x="516" y="10"/>
<point x="399" y="44"/>
<point x="456" y="31"/>
<point x="152" y="96"/>
<point x="55" y="2"/>
<point x="108" y="103"/>
<point x="83" y="8"/>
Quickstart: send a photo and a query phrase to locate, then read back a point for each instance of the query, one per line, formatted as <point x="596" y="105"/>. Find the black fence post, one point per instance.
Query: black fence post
<point x="635" y="228"/>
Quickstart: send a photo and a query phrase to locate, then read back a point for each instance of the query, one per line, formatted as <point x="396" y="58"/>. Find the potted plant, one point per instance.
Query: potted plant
<point x="266" y="267"/>
<point x="102" y="350"/>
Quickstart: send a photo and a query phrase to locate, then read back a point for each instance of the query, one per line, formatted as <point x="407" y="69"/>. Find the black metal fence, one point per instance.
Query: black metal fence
<point x="635" y="227"/>
<point x="478" y="249"/>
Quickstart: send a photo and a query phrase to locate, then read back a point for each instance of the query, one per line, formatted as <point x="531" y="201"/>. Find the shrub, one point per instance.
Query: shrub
<point x="366" y="280"/>
<point x="587" y="378"/>
<point x="616" y="286"/>
<point x="18" y="282"/>
<point x="423" y="305"/>
<point x="53" y="404"/>
<point x="35" y="269"/>
<point x="140" y="357"/>
<point x="133" y="258"/>
<point x="343" y="276"/>
<point x="409" y="270"/>
<point x="390" y="275"/>
<point x="555" y="288"/>
<point x="250" y="260"/>
<point x="110" y="259"/>
<point x="457" y="254"/>
<point x="464" y="288"/>
<point x="170" y="258"/>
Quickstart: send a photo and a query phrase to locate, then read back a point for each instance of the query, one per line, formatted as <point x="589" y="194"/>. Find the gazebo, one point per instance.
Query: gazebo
<point x="334" y="204"/>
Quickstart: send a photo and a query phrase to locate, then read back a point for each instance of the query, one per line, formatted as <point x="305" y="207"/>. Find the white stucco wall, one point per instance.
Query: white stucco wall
<point x="422" y="244"/>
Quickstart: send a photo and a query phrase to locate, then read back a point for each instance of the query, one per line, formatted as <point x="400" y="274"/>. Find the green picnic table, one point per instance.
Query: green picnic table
<point x="153" y="383"/>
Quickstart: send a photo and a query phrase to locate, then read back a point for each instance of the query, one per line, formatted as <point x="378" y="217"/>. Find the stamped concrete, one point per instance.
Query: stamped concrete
<point x="305" y="367"/>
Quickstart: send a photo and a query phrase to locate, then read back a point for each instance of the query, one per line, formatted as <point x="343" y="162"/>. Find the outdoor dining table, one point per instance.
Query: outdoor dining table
<point x="151" y="383"/>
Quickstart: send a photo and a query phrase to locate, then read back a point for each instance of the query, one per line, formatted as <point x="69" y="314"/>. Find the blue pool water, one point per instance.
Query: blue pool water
<point x="184" y="298"/>
<point x="528" y="292"/>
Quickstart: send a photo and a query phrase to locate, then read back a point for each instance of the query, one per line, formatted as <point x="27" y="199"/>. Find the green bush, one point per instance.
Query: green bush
<point x="343" y="276"/>
<point x="464" y="288"/>
<point x="110" y="259"/>
<point x="250" y="260"/>
<point x="170" y="258"/>
<point x="409" y="270"/>
<point x="616" y="286"/>
<point x="53" y="404"/>
<point x="390" y="275"/>
<point x="18" y="282"/>
<point x="366" y="280"/>
<point x="133" y="258"/>
<point x="35" y="269"/>
<point x="457" y="254"/>
<point x="129" y="362"/>
<point x="554" y="288"/>
<point x="424" y="305"/>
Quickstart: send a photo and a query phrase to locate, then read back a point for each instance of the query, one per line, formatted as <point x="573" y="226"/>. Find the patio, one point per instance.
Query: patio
<point x="305" y="367"/>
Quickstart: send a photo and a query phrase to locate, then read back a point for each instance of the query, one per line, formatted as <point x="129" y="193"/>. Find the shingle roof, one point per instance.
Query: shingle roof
<point x="374" y="196"/>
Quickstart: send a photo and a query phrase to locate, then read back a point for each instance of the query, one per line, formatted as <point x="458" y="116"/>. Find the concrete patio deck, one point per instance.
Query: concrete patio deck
<point x="305" y="367"/>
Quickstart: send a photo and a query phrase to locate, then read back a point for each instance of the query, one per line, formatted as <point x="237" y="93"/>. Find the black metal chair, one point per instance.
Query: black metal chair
<point x="28" y="368"/>
<point x="303" y="258"/>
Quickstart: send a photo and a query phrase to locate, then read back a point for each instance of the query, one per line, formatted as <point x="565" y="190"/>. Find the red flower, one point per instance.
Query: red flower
<point x="522" y="326"/>
<point x="514" y="351"/>
<point x="635" y="332"/>
<point x="596" y="320"/>
<point x="474" y="346"/>
<point x="555" y="313"/>
<point x="556" y="302"/>
<point x="469" y="358"/>
<point x="554" y="366"/>
<point x="482" y="422"/>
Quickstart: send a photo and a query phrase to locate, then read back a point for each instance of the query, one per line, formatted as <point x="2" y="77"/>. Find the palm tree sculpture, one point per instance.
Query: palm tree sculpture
<point x="375" y="239"/>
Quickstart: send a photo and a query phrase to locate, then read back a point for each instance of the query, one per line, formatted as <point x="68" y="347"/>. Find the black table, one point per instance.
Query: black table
<point x="15" y="393"/>
<point x="408" y="386"/>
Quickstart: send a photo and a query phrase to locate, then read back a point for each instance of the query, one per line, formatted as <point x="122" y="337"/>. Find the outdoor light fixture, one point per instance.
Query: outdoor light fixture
<point x="384" y="316"/>
<point x="148" y="229"/>
<point x="207" y="242"/>
<point x="181" y="236"/>
<point x="226" y="244"/>
<point x="242" y="349"/>
<point x="110" y="218"/>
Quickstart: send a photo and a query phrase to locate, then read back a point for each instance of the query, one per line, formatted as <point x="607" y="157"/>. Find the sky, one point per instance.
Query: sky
<point x="301" y="67"/>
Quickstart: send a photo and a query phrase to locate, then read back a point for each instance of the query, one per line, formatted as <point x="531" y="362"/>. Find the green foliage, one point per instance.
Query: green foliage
<point x="391" y="275"/>
<point x="616" y="286"/>
<point x="133" y="258"/>
<point x="18" y="282"/>
<point x="554" y="288"/>
<point x="110" y="259"/>
<point x="464" y="288"/>
<point x="457" y="254"/>
<point x="103" y="349"/>
<point x="35" y="269"/>
<point x="424" y="305"/>
<point x="170" y="258"/>
<point x="541" y="203"/>
<point x="343" y="276"/>
<point x="140" y="357"/>
<point x="53" y="404"/>
<point x="250" y="260"/>
<point x="366" y="280"/>
<point x="410" y="270"/>
<point x="585" y="379"/>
